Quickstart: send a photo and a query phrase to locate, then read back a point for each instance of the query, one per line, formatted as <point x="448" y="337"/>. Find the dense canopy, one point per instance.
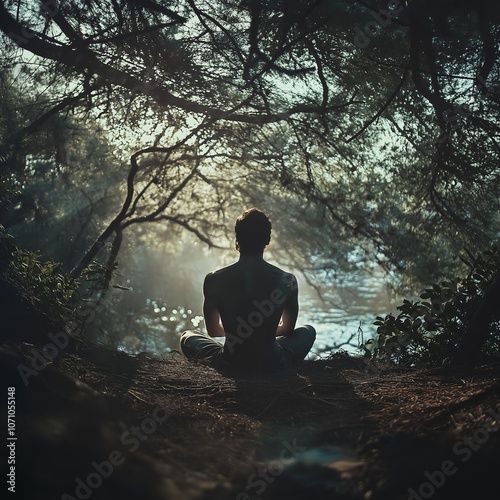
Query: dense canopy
<point x="368" y="129"/>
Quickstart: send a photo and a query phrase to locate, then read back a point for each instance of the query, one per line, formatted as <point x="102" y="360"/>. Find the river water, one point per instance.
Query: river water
<point x="343" y="317"/>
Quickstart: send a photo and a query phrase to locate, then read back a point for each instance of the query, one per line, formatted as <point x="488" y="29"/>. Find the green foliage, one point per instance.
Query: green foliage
<point x="335" y="139"/>
<point x="7" y="246"/>
<point x="427" y="331"/>
<point x="97" y="277"/>
<point x="6" y="191"/>
<point x="43" y="284"/>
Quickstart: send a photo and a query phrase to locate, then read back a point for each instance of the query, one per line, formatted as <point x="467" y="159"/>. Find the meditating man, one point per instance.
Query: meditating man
<point x="254" y="305"/>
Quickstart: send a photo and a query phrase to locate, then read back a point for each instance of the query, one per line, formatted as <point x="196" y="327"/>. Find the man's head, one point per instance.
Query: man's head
<point x="253" y="231"/>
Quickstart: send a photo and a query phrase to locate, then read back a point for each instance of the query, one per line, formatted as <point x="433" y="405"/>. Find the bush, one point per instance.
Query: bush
<point x="43" y="283"/>
<point x="36" y="296"/>
<point x="428" y="331"/>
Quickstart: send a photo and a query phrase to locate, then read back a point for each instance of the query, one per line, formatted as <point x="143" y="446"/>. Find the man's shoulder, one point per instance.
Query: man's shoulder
<point x="285" y="275"/>
<point x="220" y="273"/>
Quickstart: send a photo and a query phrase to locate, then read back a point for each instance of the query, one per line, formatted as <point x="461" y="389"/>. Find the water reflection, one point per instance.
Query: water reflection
<point x="343" y="317"/>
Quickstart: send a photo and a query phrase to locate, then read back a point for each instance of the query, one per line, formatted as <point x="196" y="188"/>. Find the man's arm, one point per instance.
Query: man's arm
<point x="210" y="311"/>
<point x="290" y="311"/>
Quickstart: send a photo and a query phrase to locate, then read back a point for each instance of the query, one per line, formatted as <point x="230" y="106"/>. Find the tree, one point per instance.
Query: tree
<point x="376" y="123"/>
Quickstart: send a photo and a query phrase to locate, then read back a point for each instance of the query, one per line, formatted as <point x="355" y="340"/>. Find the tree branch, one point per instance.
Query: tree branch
<point x="85" y="61"/>
<point x="387" y="103"/>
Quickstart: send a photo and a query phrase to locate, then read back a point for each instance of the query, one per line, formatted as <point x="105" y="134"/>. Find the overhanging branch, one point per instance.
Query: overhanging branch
<point x="81" y="59"/>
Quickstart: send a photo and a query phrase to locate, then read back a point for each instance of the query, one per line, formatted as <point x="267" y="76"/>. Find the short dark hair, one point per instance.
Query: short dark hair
<point x="253" y="231"/>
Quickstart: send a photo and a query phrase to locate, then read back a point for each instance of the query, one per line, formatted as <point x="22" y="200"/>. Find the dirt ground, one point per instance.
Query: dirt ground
<point x="100" y="424"/>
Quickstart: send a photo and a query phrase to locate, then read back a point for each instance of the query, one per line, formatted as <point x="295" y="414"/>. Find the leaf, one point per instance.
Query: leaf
<point x="466" y="262"/>
<point x="121" y="287"/>
<point x="470" y="254"/>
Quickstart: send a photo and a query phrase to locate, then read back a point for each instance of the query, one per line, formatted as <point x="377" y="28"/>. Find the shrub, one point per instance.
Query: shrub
<point x="428" y="331"/>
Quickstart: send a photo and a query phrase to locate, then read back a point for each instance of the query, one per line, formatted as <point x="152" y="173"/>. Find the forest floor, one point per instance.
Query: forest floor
<point x="100" y="424"/>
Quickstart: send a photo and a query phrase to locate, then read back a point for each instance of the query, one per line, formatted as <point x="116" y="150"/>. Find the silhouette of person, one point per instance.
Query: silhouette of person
<point x="254" y="305"/>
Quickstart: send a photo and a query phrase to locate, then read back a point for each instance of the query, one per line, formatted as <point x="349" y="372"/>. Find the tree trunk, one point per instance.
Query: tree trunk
<point x="478" y="326"/>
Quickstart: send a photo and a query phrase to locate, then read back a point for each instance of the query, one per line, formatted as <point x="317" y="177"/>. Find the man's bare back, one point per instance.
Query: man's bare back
<point x="254" y="305"/>
<point x="256" y="302"/>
